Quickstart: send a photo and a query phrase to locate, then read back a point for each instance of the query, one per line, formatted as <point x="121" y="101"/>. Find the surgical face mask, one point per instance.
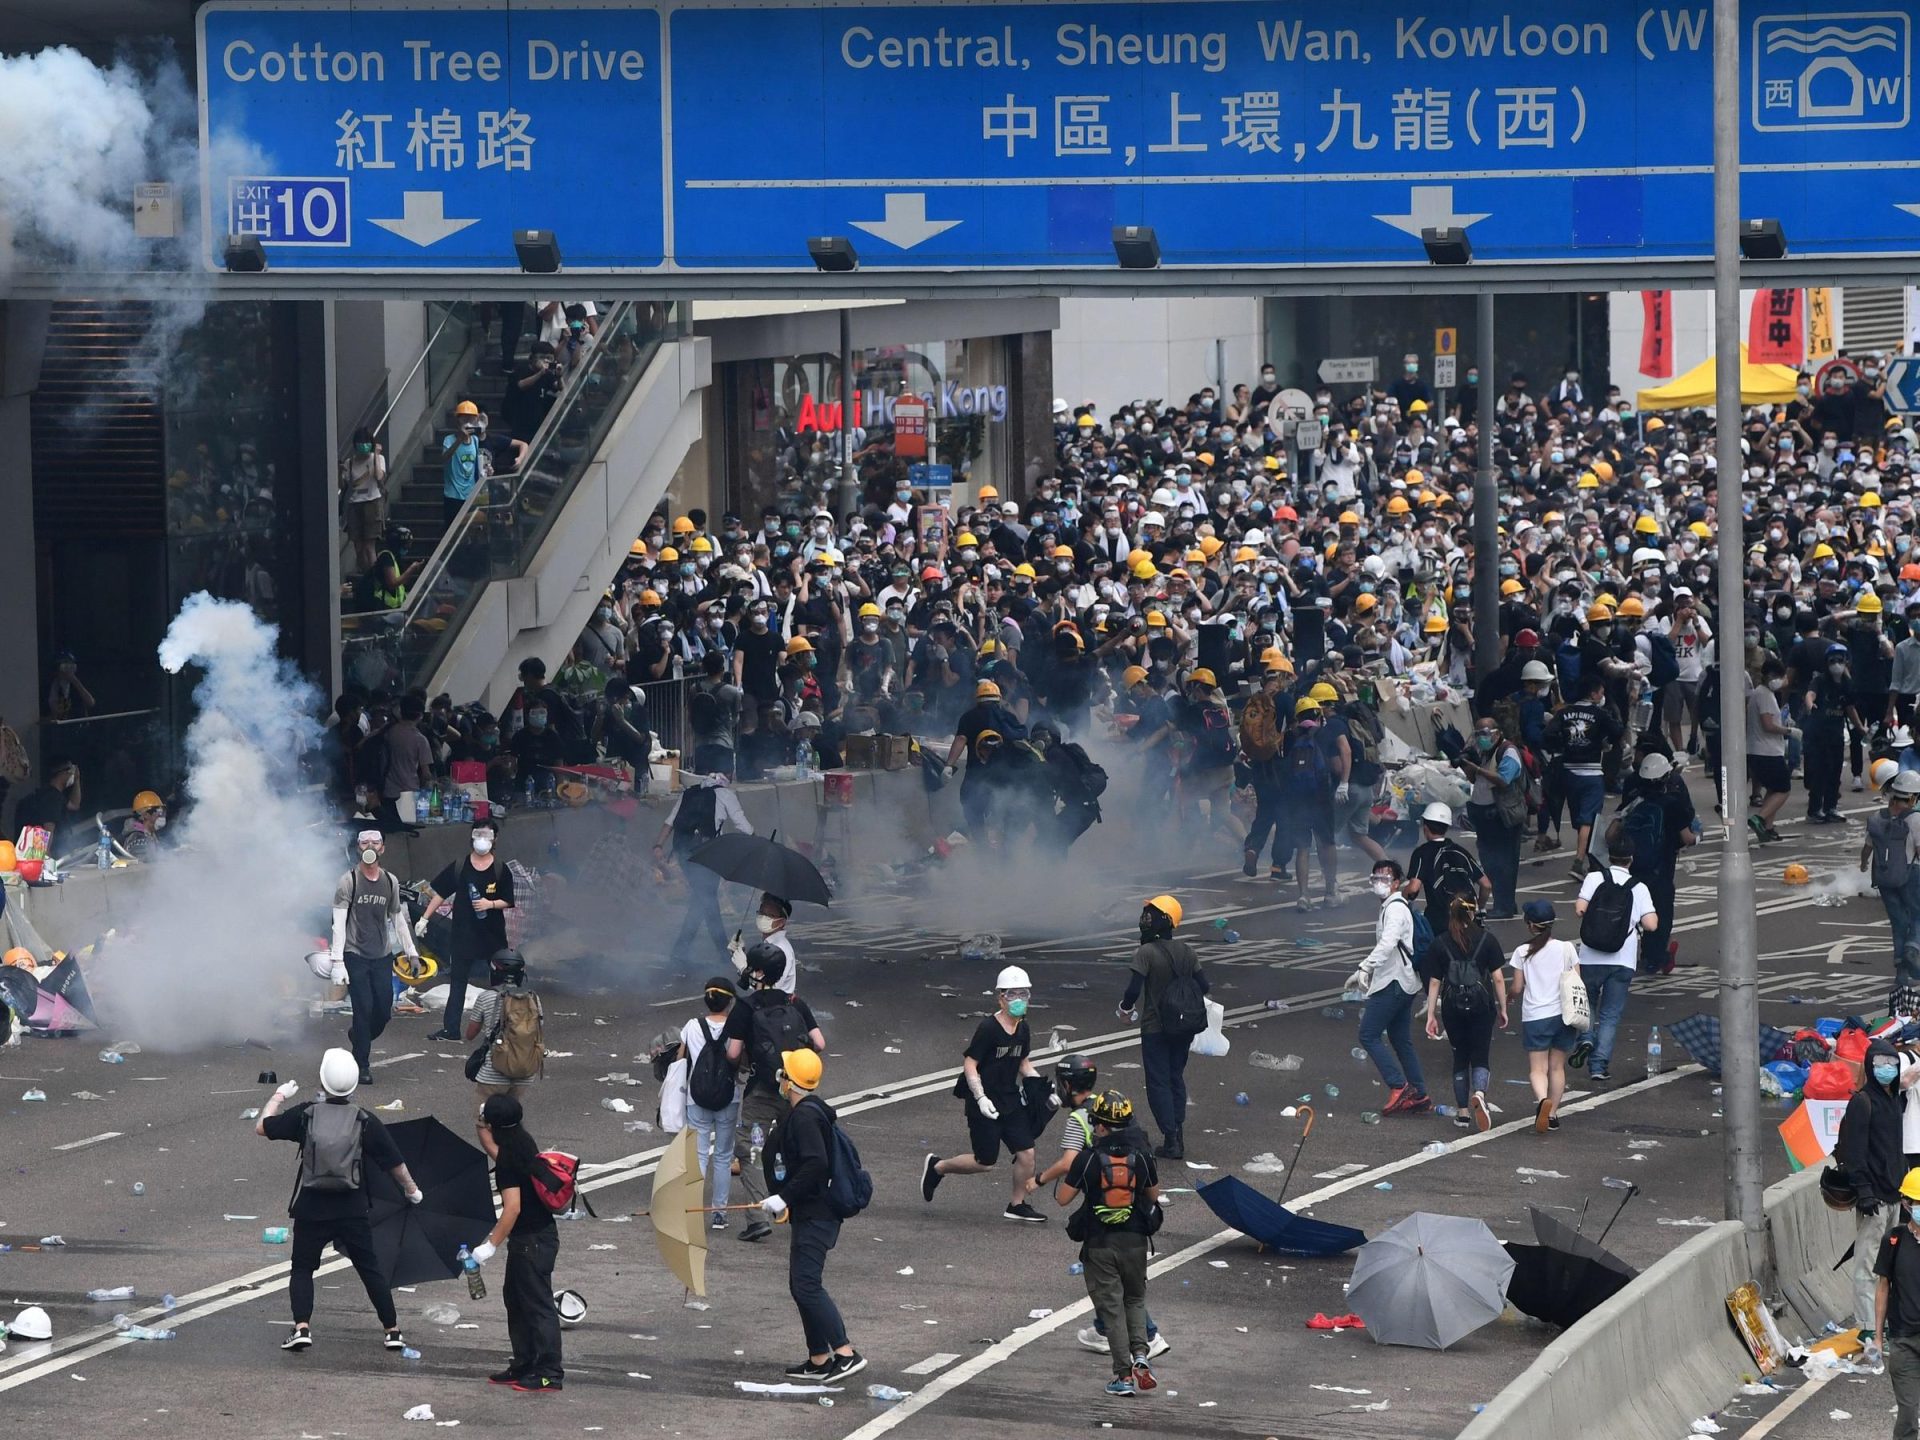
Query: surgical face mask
<point x="369" y="856"/>
<point x="1885" y="1071"/>
<point x="869" y="627"/>
<point x="536" y="719"/>
<point x="765" y="924"/>
<point x="1776" y="683"/>
<point x="1838" y="669"/>
<point x="483" y="844"/>
<point x="1018" y="1008"/>
<point x="605" y="612"/>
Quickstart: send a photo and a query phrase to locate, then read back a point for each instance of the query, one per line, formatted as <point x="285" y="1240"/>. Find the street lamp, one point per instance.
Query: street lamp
<point x="1136" y="247"/>
<point x="244" y="255"/>
<point x="1762" y="240"/>
<point x="1447" y="245"/>
<point x="833" y="254"/>
<point x="538" y="252"/>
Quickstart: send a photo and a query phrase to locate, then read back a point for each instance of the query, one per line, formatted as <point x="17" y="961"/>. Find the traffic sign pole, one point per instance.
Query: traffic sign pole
<point x="1486" y="516"/>
<point x="1739" y="945"/>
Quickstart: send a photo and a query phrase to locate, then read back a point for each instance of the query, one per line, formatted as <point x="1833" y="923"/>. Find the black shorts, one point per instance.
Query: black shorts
<point x="1306" y="822"/>
<point x="1770" y="773"/>
<point x="1012" y="1129"/>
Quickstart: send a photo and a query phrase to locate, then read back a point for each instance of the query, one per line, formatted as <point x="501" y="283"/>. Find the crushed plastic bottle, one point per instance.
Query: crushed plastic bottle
<point x="139" y="1187"/>
<point x="886" y="1393"/>
<point x="1076" y="1268"/>
<point x="1333" y="1092"/>
<point x="1384" y="1185"/>
<point x="1333" y="1012"/>
<point x="131" y="1331"/>
<point x="1614" y="1182"/>
<point x="616" y="1104"/>
<point x="826" y="1402"/>
<point x="1434" y="1147"/>
<point x="275" y="1235"/>
<point x="1231" y="937"/>
<point x="35" y="1094"/>
<point x="1369" y="1117"/>
<point x="251" y="1114"/>
<point x="407" y="1352"/>
<point x="118" y="1292"/>
<point x="1261" y="1060"/>
<point x="167" y="1302"/>
<point x="1446" y="1112"/>
<point x="1242" y="1099"/>
<point x="112" y="1057"/>
<point x="1279" y="1007"/>
<point x="1359" y="1054"/>
<point x="440" y="1313"/>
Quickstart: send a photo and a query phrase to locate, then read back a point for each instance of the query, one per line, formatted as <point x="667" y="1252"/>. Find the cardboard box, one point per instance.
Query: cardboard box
<point x="860" y="751"/>
<point x="665" y="773"/>
<point x="892" y="752"/>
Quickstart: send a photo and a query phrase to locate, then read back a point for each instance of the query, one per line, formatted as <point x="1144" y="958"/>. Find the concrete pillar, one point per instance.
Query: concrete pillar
<point x="23" y="332"/>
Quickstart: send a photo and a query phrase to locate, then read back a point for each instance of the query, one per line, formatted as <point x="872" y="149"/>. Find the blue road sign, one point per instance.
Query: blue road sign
<point x="1903" y="384"/>
<point x="1250" y="134"/>
<point x="395" y="138"/>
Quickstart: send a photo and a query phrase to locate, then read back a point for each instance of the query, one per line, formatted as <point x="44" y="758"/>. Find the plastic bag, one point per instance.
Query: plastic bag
<point x="1212" y="1040"/>
<point x="1782" y="1078"/>
<point x="673" y="1098"/>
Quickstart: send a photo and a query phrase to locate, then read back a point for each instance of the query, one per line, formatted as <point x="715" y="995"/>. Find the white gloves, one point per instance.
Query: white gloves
<point x="1341" y="791"/>
<point x="986" y="1107"/>
<point x="288" y="1090"/>
<point x="415" y="1196"/>
<point x="774" y="1207"/>
<point x="420" y="925"/>
<point x="1356" y="981"/>
<point x="483" y="1252"/>
<point x="737" y="953"/>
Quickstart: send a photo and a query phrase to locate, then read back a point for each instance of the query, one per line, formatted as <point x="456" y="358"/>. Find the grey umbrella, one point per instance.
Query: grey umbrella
<point x="1430" y="1281"/>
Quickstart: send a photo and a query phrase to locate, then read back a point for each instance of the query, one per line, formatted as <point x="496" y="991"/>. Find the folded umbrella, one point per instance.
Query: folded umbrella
<point x="1034" y="1093"/>
<point x="679" y="1227"/>
<point x="1272" y="1225"/>
<point x="422" y="1242"/>
<point x="70" y="985"/>
<point x="759" y="861"/>
<point x="1430" y="1281"/>
<point x="1700" y="1033"/>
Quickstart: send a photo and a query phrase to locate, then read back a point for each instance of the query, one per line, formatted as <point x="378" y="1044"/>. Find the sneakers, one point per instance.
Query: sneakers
<point x="444" y="1035"/>
<point x="1248" y="867"/>
<point x="1143" y="1374"/>
<point x="541" y="1386"/>
<point x="505" y="1377"/>
<point x="1120" y="1385"/>
<point x="1023" y="1212"/>
<point x="1542" y="1117"/>
<point x="930" y="1178"/>
<point x="1407" y="1101"/>
<point x="302" y="1339"/>
<point x="719" y="1222"/>
<point x="1477" y="1106"/>
<point x="841" y="1366"/>
<point x="1582" y="1048"/>
<point x="757" y="1230"/>
<point x="1462" y="1121"/>
<point x="395" y="1340"/>
<point x="1157" y="1345"/>
<point x="1600" y="1080"/>
<point x="1093" y="1339"/>
<point x="366" y="1077"/>
<point x="808" y="1370"/>
<point x="1553" y="1123"/>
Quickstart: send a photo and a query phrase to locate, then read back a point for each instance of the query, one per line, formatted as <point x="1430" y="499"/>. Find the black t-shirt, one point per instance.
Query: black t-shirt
<point x="1899" y="1261"/>
<point x="476" y="936"/>
<point x="377" y="1152"/>
<point x="998" y="1056"/>
<point x="1459" y="882"/>
<point x="1444" y="951"/>
<point x="760" y="652"/>
<point x="1590" y="731"/>
<point x="45" y="806"/>
<point x="534" y="1215"/>
<point x="739" y="1027"/>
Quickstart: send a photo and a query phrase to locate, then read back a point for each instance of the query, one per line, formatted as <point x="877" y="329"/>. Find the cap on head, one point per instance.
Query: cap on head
<point x="802" y="1069"/>
<point x="1538" y="912"/>
<point x="339" y="1072"/>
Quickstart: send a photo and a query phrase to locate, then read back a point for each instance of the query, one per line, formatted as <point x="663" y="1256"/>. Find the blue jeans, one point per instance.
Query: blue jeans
<point x="1164" y="1058"/>
<point x="713" y="1136"/>
<point x="1607" y="987"/>
<point x="703" y="911"/>
<point x="1386" y="1030"/>
<point x="1903" y="916"/>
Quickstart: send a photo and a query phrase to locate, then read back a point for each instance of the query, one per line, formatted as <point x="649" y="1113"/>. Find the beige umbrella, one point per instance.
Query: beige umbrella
<point x="679" y="1223"/>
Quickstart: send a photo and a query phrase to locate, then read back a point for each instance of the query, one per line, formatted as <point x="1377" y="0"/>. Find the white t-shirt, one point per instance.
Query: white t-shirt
<point x="1909" y="1109"/>
<point x="1628" y="954"/>
<point x="695" y="1039"/>
<point x="1540" y="977"/>
<point x="1689" y="648"/>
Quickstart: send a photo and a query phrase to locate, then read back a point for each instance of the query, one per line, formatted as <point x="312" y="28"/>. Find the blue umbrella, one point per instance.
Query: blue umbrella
<point x="1275" y="1227"/>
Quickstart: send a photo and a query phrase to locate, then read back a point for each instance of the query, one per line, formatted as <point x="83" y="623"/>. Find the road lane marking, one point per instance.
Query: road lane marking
<point x="396" y="1059"/>
<point x="91" y="1140"/>
<point x="931" y="1364"/>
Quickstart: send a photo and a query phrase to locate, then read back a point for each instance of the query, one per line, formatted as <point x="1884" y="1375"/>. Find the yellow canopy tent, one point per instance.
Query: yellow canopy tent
<point x="1759" y="385"/>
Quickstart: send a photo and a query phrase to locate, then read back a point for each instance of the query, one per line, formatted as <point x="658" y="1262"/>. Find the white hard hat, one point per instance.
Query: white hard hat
<point x="1655" y="767"/>
<point x="1153" y="517"/>
<point x="1901" y="737"/>
<point x="32" y="1324"/>
<point x="339" y="1072"/>
<point x="321" y="963"/>
<point x="1162" y="496"/>
<point x="1255" y="538"/>
<point x="1013" y="978"/>
<point x="1647" y="555"/>
<point x="1059" y="408"/>
<point x="571" y="1305"/>
<point x="1907" y="782"/>
<point x="1534" y="670"/>
<point x="1437" y="813"/>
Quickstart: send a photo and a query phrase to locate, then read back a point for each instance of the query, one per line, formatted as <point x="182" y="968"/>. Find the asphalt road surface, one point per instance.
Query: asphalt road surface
<point x="975" y="1315"/>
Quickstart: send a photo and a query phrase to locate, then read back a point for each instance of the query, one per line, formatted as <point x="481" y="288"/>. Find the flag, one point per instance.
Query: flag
<point x="1820" y="324"/>
<point x="1774" y="335"/>
<point x="1810" y="1132"/>
<point x="1656" y="335"/>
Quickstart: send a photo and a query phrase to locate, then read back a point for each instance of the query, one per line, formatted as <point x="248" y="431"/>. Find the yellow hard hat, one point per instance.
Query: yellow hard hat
<point x="1588" y="481"/>
<point x="1881" y="771"/>
<point x="1203" y="676"/>
<point x="1143" y="570"/>
<point x="1418" y="407"/>
<point x="1551" y="516"/>
<point x="1026" y="572"/>
<point x="832" y="557"/>
<point x="1133" y="675"/>
<point x="1632" y="609"/>
<point x="19" y="957"/>
<point x="1211" y="545"/>
<point x="667" y="554"/>
<point x="1063" y="552"/>
<point x="1324" y="693"/>
<point x="1656" y="423"/>
<point x="147" y="800"/>
<point x="1414" y="478"/>
<point x="1205" y="457"/>
<point x="1603" y="469"/>
<point x="986" y="690"/>
<point x="1869" y="604"/>
<point x="987" y="492"/>
<point x="1608" y="599"/>
<point x="1364" y="604"/>
<point x="1347" y="517"/>
<point x="1796" y="874"/>
<point x="1436" y="625"/>
<point x="1870" y="501"/>
<point x="1156" y="621"/>
<point x="966" y="539"/>
<point x="682" y="525"/>
<point x="701" y="546"/>
<point x="1700" y="529"/>
<point x="989" y="647"/>
<point x="802" y="1068"/>
<point x="1196" y="556"/>
<point x="1306" y="705"/>
<point x="1910" y="1187"/>
<point x="1647" y="525"/>
<point x="466" y="407"/>
<point x="639" y="547"/>
<point x="1136" y="555"/>
<point x="1597" y="612"/>
<point x="1169" y="907"/>
<point x="799" y="645"/>
<point x="1510" y="587"/>
<point x="1823" y="551"/>
<point x="1245" y="555"/>
<point x="870" y="611"/>
<point x="649" y="598"/>
<point x="1275" y="659"/>
<point x="1398" y="505"/>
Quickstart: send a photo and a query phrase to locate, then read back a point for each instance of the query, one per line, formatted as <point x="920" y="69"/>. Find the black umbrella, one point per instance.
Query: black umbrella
<point x="758" y="861"/>
<point x="1565" y="1275"/>
<point x="422" y="1242"/>
<point x="1034" y="1090"/>
<point x="70" y="985"/>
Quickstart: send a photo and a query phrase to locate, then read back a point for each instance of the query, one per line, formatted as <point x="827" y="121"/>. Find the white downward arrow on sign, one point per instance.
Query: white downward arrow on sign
<point x="1431" y="208"/>
<point x="906" y="223"/>
<point x="423" y="218"/>
<point x="1913" y="210"/>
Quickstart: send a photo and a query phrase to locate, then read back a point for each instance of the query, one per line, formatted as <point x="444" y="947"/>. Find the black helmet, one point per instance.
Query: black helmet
<point x="766" y="963"/>
<point x="1075" y="1073"/>
<point x="1837" y="1189"/>
<point x="1112" y="1109"/>
<point x="508" y="965"/>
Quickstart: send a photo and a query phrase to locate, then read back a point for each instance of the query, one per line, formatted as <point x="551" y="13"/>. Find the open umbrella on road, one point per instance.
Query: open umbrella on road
<point x="422" y="1242"/>
<point x="763" y="863"/>
<point x="1566" y="1275"/>
<point x="1430" y="1281"/>
<point x="1275" y="1227"/>
<point x="679" y="1225"/>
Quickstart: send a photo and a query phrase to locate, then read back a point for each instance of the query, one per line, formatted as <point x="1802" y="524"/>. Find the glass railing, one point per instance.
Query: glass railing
<point x="499" y="529"/>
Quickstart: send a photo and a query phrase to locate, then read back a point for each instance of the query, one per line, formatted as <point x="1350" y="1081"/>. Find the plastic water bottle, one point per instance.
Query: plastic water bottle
<point x="139" y="1187"/>
<point x="131" y="1331"/>
<point x="419" y="807"/>
<point x="275" y="1235"/>
<point x="103" y="850"/>
<point x="476" y="1282"/>
<point x="886" y="1393"/>
<point x="1653" y="1051"/>
<point x="118" y="1292"/>
<point x="1369" y="1117"/>
<point x="755" y="1143"/>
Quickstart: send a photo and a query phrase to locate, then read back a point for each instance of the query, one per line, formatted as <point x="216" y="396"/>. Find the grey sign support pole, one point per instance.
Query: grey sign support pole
<point x="1486" y="511"/>
<point x="848" y="499"/>
<point x="1739" y="958"/>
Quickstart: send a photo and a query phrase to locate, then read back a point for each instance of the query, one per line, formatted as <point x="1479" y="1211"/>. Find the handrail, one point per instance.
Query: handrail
<point x="393" y="403"/>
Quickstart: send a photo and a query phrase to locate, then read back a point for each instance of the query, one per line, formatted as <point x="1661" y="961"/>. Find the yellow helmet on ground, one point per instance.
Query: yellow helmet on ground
<point x="1795" y="874"/>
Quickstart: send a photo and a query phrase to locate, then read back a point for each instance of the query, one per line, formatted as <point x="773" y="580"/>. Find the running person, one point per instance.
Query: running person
<point x="991" y="1071"/>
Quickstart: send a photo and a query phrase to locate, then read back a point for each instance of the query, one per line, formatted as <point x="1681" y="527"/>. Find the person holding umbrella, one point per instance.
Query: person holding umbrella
<point x="771" y="921"/>
<point x="526" y="1228"/>
<point x="700" y="814"/>
<point x="338" y="1140"/>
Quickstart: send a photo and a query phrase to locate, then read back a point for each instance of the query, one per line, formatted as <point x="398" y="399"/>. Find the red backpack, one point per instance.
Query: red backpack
<point x="556" y="1181"/>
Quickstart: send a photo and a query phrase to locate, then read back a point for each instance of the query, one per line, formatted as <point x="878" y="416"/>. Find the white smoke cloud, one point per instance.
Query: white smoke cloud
<point x="204" y="962"/>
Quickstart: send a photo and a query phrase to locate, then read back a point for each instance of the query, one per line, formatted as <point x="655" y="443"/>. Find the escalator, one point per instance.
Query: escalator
<point x="523" y="564"/>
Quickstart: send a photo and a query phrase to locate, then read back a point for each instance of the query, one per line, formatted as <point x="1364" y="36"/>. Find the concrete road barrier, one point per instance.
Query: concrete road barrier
<point x="1807" y="1240"/>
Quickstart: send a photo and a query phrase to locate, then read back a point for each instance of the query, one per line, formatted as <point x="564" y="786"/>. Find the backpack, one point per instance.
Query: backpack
<point x="1666" y="661"/>
<point x="518" y="1050"/>
<point x="1260" y="727"/>
<point x="1454" y="872"/>
<point x="1463" y="989"/>
<point x="1888" y="836"/>
<point x="1091" y="778"/>
<point x="710" y="1082"/>
<point x="1304" y="770"/>
<point x="1644" y="822"/>
<point x="1216" y="736"/>
<point x="556" y="1181"/>
<point x="699" y="814"/>
<point x="703" y="712"/>
<point x="774" y="1030"/>
<point x="849" y="1186"/>
<point x="1422" y="934"/>
<point x="330" y="1156"/>
<point x="1609" y="919"/>
<point x="1182" y="1006"/>
<point x="1363" y="732"/>
<point x="1113" y="1186"/>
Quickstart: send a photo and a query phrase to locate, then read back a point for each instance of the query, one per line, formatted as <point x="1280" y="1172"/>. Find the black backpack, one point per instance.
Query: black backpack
<point x="1464" y="989"/>
<point x="1609" y="918"/>
<point x="849" y="1186"/>
<point x="1090" y="777"/>
<point x="698" y="817"/>
<point x="710" y="1081"/>
<point x="1182" y="1005"/>
<point x="1666" y="662"/>
<point x="775" y="1030"/>
<point x="1454" y="873"/>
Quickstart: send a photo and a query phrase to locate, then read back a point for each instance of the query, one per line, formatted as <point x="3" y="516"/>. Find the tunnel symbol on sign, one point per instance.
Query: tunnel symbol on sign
<point x="1834" y="72"/>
